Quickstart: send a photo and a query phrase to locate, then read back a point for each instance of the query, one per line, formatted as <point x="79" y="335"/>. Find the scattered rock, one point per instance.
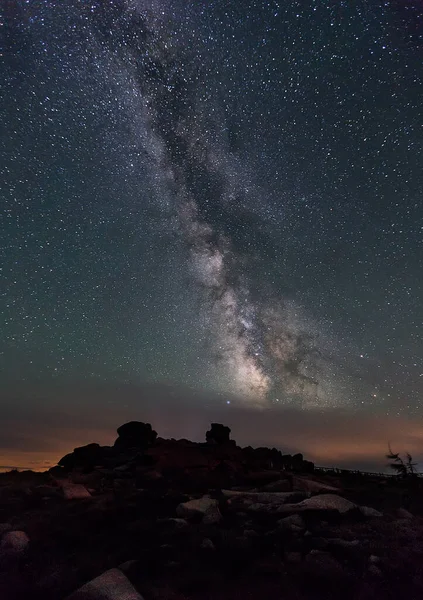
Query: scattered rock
<point x="75" y="491"/>
<point x="250" y="533"/>
<point x="369" y="512"/>
<point x="375" y="571"/>
<point x="294" y="523"/>
<point x="175" y="523"/>
<point x="373" y="559"/>
<point x="196" y="507"/>
<point x="163" y="505"/>
<point x="212" y="516"/>
<point x="207" y="544"/>
<point x="111" y="585"/>
<point x="14" y="543"/>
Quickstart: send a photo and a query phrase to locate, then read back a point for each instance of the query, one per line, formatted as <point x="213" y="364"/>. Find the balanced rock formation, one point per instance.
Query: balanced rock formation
<point x="135" y="435"/>
<point x="218" y="434"/>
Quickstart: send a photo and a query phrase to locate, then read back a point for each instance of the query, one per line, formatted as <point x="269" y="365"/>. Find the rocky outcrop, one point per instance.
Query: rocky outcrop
<point x="86" y="457"/>
<point x="135" y="435"/>
<point x="183" y="520"/>
<point x="218" y="434"/>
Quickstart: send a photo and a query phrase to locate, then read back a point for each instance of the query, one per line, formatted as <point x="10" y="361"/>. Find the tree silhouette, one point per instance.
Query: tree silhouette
<point x="404" y="468"/>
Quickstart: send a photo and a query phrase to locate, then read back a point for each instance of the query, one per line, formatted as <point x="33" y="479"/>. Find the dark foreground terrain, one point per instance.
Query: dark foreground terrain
<point x="168" y="520"/>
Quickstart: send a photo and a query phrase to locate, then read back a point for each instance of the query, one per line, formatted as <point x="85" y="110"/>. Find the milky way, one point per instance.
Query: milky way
<point x="218" y="194"/>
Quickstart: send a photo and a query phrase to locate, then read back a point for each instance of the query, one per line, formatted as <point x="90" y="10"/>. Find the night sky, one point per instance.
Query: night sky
<point x="212" y="209"/>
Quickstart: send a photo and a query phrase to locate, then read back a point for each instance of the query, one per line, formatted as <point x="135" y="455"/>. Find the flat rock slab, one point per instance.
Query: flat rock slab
<point x="281" y="485"/>
<point x="75" y="491"/>
<point x="263" y="497"/>
<point x="322" y="502"/>
<point x="310" y="485"/>
<point x="111" y="585"/>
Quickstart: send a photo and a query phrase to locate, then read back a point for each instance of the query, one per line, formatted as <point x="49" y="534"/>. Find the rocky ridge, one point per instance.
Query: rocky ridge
<point x="172" y="519"/>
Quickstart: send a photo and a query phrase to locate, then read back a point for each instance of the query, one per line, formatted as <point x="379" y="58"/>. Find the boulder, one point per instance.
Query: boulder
<point x="212" y="516"/>
<point x="85" y="457"/>
<point x="75" y="491"/>
<point x="207" y="544"/>
<point x="324" y="502"/>
<point x="135" y="435"/>
<point x="14" y="543"/>
<point x="173" y="523"/>
<point x="196" y="507"/>
<point x="369" y="512"/>
<point x="111" y="585"/>
<point x="218" y="434"/>
<point x="293" y="523"/>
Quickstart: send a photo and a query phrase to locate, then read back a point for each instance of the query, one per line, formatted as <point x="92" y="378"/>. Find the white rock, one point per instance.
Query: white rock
<point x="14" y="542"/>
<point x="367" y="511"/>
<point x="75" y="491"/>
<point x="111" y="585"/>
<point x="322" y="502"/>
<point x="198" y="506"/>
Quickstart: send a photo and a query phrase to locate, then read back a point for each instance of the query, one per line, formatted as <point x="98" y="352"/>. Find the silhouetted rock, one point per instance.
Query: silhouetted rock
<point x="218" y="434"/>
<point x="263" y="516"/>
<point x="135" y="435"/>
<point x="86" y="457"/>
